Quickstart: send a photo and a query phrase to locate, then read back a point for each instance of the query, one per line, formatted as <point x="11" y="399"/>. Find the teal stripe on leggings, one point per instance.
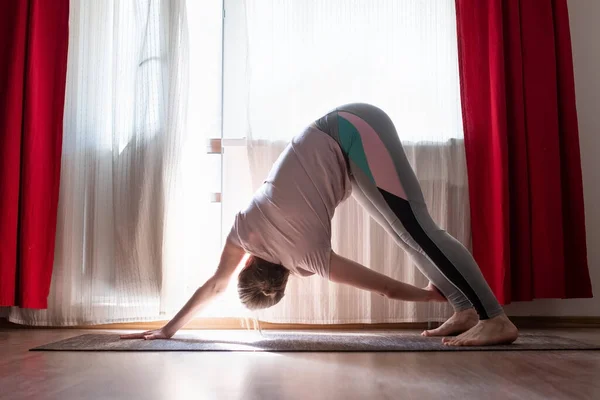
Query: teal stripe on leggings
<point x="352" y="146"/>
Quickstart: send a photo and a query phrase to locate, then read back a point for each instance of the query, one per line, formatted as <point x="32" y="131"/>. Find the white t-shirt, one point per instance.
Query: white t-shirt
<point x="288" y="221"/>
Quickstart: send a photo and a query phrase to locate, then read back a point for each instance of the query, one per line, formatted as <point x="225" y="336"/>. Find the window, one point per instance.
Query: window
<point x="270" y="67"/>
<point x="288" y="62"/>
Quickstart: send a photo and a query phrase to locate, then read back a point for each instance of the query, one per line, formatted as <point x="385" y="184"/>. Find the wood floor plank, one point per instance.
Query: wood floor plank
<point x="481" y="375"/>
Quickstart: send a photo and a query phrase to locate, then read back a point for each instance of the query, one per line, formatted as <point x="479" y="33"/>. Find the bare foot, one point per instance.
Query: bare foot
<point x="498" y="330"/>
<point x="460" y="322"/>
<point x="435" y="294"/>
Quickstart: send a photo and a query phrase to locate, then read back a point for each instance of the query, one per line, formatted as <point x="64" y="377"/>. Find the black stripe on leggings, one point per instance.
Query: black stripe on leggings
<point x="405" y="214"/>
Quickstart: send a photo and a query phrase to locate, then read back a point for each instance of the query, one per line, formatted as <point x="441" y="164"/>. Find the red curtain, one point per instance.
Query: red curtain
<point x="33" y="65"/>
<point x="522" y="147"/>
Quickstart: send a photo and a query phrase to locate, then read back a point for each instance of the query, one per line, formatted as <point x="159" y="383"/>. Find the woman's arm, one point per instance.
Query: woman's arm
<point x="230" y="259"/>
<point x="342" y="270"/>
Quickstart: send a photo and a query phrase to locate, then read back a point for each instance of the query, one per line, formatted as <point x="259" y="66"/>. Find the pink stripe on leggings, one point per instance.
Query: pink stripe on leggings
<point x="380" y="162"/>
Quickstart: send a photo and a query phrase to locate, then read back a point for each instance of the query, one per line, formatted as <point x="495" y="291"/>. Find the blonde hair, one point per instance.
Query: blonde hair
<point x="261" y="284"/>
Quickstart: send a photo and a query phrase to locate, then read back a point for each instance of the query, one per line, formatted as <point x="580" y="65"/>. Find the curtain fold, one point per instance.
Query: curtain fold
<point x="129" y="211"/>
<point x="33" y="63"/>
<point x="522" y="148"/>
<point x="301" y="59"/>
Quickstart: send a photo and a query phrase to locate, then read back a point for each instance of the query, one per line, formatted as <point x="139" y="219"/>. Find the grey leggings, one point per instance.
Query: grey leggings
<point x="386" y="186"/>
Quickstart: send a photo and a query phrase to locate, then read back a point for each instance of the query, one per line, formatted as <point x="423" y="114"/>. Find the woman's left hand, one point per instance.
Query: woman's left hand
<point x="436" y="295"/>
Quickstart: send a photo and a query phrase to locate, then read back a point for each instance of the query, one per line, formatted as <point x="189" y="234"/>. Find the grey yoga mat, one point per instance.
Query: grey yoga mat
<point x="301" y="341"/>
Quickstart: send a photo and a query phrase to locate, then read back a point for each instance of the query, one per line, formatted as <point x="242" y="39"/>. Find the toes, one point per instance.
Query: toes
<point x="441" y="331"/>
<point x="464" y="341"/>
<point x="467" y="342"/>
<point x="435" y="332"/>
<point x="456" y="342"/>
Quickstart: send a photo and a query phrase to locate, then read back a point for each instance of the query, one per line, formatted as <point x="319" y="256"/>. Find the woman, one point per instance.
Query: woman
<point x="286" y="230"/>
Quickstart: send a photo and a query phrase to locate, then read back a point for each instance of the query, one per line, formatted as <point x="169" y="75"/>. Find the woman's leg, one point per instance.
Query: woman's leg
<point x="464" y="317"/>
<point x="458" y="301"/>
<point x="382" y="171"/>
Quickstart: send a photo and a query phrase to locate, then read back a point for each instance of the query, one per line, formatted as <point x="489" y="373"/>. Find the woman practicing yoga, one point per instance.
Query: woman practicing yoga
<point x="286" y="229"/>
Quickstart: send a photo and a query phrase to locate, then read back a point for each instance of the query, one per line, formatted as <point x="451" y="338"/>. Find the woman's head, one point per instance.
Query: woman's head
<point x="261" y="284"/>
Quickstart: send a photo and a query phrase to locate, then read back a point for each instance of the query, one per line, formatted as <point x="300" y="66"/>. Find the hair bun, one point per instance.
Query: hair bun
<point x="261" y="284"/>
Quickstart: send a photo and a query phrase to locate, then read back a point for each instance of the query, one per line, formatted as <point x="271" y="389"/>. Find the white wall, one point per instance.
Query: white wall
<point x="585" y="31"/>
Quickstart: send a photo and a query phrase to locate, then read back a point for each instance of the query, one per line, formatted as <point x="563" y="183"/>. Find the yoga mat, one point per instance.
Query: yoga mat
<point x="294" y="341"/>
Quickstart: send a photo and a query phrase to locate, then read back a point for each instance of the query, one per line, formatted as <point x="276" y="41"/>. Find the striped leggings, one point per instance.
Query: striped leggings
<point x="386" y="186"/>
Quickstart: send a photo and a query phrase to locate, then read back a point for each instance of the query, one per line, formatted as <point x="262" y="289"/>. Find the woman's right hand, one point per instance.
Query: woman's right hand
<point x="231" y="257"/>
<point x="161" y="333"/>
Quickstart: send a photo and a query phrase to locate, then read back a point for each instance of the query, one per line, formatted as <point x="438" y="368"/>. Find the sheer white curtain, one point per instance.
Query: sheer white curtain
<point x="136" y="231"/>
<point x="134" y="205"/>
<point x="289" y="62"/>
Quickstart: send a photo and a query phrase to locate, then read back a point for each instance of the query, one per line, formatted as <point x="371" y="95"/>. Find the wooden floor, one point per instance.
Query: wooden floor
<point x="199" y="376"/>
